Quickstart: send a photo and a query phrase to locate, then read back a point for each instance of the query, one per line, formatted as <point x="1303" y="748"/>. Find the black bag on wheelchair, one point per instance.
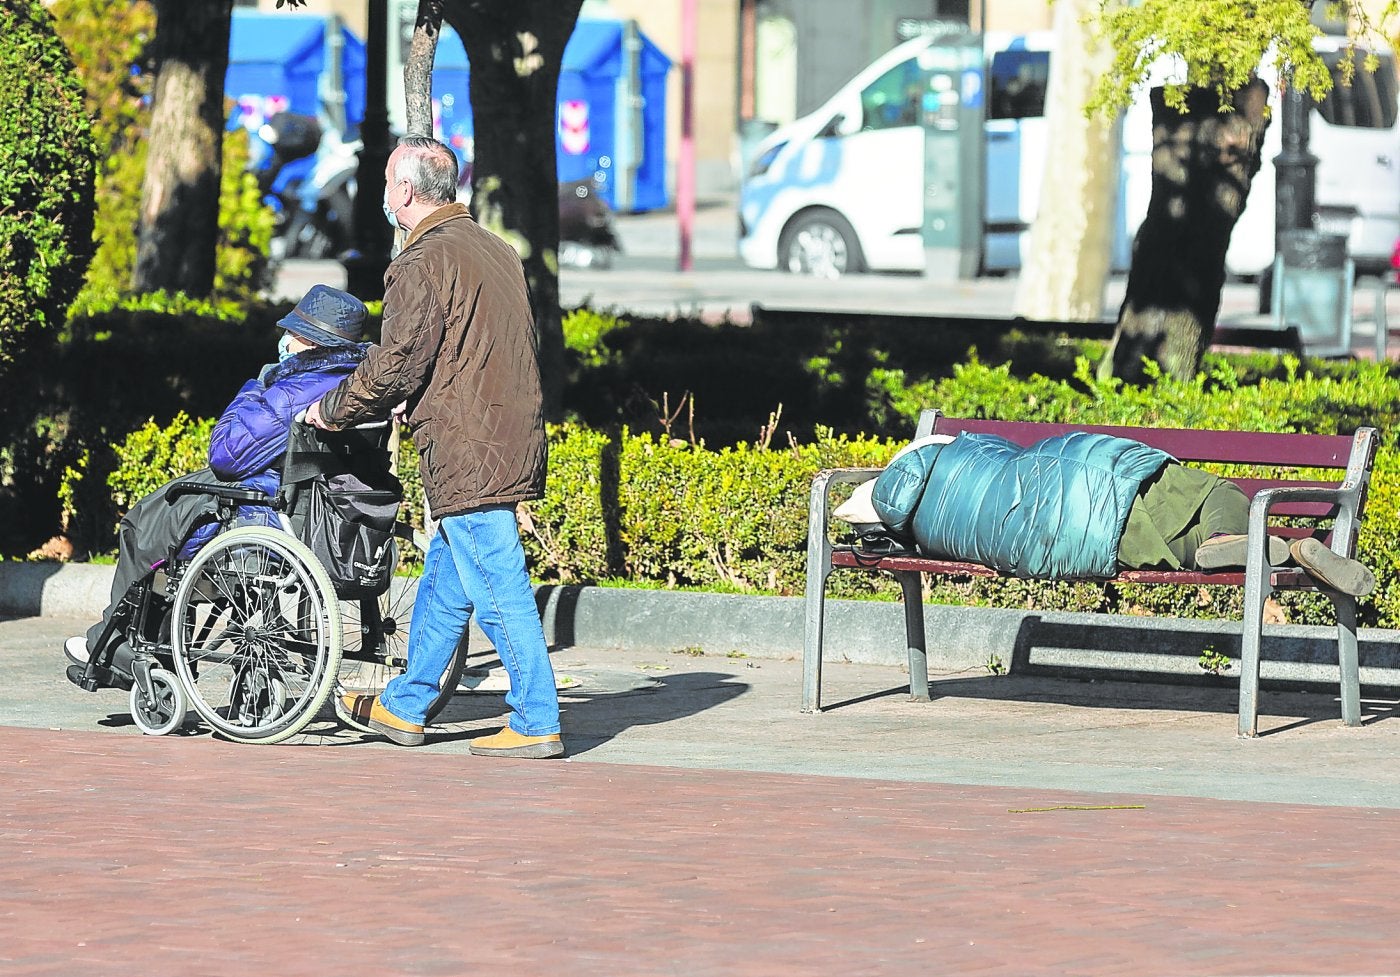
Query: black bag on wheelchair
<point x="342" y="501"/>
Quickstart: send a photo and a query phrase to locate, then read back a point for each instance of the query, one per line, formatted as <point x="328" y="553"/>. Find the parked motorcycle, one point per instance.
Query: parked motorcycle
<point x="310" y="183"/>
<point x="587" y="235"/>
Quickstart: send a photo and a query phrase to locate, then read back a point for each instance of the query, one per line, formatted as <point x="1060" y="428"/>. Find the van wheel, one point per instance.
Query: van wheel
<point x="820" y="244"/>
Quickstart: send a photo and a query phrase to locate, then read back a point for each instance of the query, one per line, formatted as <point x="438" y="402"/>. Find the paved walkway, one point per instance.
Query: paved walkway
<point x="700" y="826"/>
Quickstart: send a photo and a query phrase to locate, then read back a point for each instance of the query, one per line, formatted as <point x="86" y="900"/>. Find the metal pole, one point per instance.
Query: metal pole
<point x="685" y="170"/>
<point x="1295" y="169"/>
<point x="364" y="270"/>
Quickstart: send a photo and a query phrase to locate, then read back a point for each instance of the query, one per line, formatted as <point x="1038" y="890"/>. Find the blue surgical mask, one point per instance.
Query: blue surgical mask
<point x="284" y="351"/>
<point x="389" y="214"/>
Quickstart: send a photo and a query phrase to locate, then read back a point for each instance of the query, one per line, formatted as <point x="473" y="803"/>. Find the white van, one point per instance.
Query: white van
<point x="841" y="190"/>
<point x="1353" y="132"/>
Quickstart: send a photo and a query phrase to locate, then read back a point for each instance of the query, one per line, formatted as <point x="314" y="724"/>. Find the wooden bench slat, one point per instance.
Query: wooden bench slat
<point x="1283" y="578"/>
<point x="1231" y="447"/>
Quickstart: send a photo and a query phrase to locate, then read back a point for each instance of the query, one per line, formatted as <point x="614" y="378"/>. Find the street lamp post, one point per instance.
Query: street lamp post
<point x="364" y="269"/>
<point x="1295" y="168"/>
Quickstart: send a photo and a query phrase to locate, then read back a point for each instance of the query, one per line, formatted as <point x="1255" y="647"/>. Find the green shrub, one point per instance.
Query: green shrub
<point x="109" y="40"/>
<point x="676" y="514"/>
<point x="154" y="455"/>
<point x="46" y="181"/>
<point x="584" y="333"/>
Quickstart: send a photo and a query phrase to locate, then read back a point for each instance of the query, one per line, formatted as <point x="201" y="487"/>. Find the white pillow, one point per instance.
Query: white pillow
<point x="858" y="509"/>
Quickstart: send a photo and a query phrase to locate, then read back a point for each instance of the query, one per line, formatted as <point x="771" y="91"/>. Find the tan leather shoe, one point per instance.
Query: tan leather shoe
<point x="1339" y="573"/>
<point x="353" y="709"/>
<point x="510" y="743"/>
<point x="1228" y="552"/>
<point x="366" y="712"/>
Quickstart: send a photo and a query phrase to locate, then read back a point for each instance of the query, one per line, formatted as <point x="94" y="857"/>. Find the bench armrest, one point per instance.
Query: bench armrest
<point x="826" y="480"/>
<point x="819" y="512"/>
<point x="1347" y="499"/>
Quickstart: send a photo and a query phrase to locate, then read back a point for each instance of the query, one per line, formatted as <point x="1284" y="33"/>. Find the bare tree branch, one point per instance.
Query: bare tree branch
<point x="418" y="69"/>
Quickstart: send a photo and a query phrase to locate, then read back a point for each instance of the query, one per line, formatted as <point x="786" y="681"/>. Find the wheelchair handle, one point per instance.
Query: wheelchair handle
<point x="228" y="493"/>
<point x="300" y="418"/>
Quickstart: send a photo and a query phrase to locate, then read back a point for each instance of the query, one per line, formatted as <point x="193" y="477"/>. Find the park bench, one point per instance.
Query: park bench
<point x="1281" y="504"/>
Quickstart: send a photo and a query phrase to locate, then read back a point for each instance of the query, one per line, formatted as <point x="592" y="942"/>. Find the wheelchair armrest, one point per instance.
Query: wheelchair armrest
<point x="228" y="493"/>
<point x="300" y="418"/>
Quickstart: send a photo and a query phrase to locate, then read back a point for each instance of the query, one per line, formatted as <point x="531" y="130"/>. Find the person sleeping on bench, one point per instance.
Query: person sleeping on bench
<point x="1075" y="506"/>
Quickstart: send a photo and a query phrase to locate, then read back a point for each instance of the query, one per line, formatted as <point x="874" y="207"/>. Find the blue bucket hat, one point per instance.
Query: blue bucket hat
<point x="326" y="316"/>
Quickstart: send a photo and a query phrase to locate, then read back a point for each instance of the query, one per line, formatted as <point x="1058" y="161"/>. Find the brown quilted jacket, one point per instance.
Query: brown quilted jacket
<point x="458" y="346"/>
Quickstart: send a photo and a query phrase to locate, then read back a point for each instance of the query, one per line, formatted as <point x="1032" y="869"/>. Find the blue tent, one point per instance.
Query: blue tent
<point x="587" y="130"/>
<point x="282" y="56"/>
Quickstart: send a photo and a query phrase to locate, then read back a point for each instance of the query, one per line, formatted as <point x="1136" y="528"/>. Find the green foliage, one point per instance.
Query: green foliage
<point x="154" y="455"/>
<point x="1213" y="662"/>
<point x="46" y="181"/>
<point x="1219" y="44"/>
<point x="666" y="511"/>
<point x="109" y="39"/>
<point x="861" y="373"/>
<point x="584" y="333"/>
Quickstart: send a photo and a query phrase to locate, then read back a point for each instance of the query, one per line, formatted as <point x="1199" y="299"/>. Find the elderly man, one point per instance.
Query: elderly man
<point x="458" y="349"/>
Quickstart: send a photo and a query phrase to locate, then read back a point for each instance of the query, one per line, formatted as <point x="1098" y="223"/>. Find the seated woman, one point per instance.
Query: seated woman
<point x="319" y="347"/>
<point x="1079" y="506"/>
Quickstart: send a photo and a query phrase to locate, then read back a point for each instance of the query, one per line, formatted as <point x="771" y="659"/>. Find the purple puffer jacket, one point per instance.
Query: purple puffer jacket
<point x="250" y="436"/>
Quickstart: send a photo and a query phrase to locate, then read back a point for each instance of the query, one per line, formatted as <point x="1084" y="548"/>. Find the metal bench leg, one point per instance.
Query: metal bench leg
<point x="914" y="637"/>
<point x="812" y="639"/>
<point x="1347" y="659"/>
<point x="1251" y="639"/>
<point x="818" y="569"/>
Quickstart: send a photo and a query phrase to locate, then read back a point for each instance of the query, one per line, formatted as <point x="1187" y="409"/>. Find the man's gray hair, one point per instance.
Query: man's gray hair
<point x="429" y="167"/>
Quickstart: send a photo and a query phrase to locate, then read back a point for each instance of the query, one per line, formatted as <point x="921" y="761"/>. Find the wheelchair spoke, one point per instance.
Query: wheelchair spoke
<point x="257" y="634"/>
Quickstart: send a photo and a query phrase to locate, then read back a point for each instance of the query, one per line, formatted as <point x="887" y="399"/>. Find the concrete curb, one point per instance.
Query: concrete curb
<point x="867" y="632"/>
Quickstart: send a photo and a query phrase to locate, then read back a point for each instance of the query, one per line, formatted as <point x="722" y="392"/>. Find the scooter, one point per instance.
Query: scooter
<point x="327" y="230"/>
<point x="310" y="183"/>
<point x="587" y="236"/>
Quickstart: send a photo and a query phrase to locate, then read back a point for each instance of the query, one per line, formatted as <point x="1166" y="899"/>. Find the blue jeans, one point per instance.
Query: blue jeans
<point x="475" y="563"/>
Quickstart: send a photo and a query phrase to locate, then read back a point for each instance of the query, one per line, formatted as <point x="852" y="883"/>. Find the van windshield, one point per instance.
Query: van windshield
<point x="1368" y="102"/>
<point x="893" y="99"/>
<point x="1019" y="79"/>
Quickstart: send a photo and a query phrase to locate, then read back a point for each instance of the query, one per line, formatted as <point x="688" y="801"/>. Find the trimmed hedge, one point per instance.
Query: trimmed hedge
<point x="46" y="181"/>
<point x="676" y="513"/>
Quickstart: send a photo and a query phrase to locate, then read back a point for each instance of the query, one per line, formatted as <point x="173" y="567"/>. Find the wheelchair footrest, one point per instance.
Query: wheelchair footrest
<point x="100" y="678"/>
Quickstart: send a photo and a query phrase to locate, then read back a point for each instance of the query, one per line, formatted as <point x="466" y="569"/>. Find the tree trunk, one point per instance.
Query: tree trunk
<point x="1203" y="161"/>
<point x="179" y="227"/>
<point x="1071" y="241"/>
<point x="418" y="68"/>
<point x="515" y="48"/>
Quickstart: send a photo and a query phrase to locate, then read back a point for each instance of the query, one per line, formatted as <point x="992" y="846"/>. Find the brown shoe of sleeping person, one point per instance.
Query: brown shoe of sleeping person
<point x="1228" y="552"/>
<point x="1339" y="573"/>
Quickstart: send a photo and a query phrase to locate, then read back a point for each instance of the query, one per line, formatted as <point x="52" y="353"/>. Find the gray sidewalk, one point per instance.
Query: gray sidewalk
<point x="728" y="711"/>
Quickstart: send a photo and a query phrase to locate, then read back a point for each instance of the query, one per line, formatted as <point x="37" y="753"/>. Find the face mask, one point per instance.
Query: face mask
<point x="284" y="351"/>
<point x="389" y="214"/>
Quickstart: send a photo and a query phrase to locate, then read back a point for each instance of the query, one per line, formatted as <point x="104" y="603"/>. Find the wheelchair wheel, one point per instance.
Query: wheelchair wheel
<point x="256" y="634"/>
<point x="376" y="644"/>
<point x="166" y="709"/>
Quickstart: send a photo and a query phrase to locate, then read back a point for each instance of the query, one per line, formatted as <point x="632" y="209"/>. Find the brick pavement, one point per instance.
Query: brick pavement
<point x="187" y="856"/>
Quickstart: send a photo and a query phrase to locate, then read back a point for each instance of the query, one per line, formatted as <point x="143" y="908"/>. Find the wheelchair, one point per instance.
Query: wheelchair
<point x="251" y="632"/>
